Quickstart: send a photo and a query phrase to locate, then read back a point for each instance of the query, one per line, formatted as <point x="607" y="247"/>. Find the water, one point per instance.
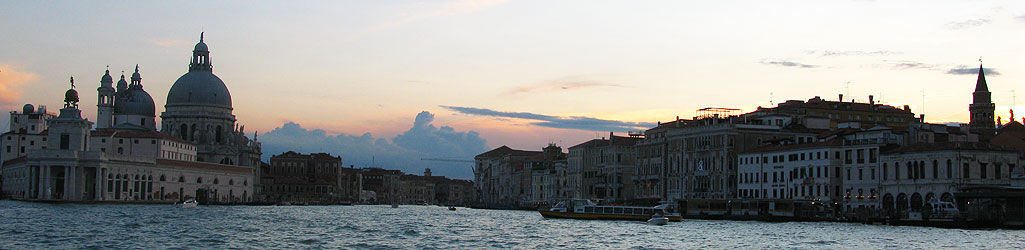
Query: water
<point x="72" y="226"/>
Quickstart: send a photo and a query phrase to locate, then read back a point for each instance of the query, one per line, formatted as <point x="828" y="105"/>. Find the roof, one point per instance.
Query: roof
<point x="980" y="84"/>
<point x="613" y="141"/>
<point x="124" y="133"/>
<point x="818" y="103"/>
<point x="776" y="148"/>
<point x="942" y="146"/>
<point x="505" y="150"/>
<point x="1011" y="135"/>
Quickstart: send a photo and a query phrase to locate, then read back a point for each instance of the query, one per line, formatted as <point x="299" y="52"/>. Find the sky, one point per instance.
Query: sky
<point x="489" y="73"/>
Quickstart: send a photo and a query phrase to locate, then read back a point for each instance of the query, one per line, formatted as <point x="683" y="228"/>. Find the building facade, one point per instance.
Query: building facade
<point x="123" y="159"/>
<point x="317" y="178"/>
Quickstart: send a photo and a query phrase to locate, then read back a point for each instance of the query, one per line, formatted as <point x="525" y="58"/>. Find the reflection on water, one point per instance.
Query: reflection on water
<point x="31" y="225"/>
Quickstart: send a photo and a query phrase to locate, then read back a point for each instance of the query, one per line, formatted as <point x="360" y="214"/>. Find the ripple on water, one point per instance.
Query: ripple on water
<point x="34" y="226"/>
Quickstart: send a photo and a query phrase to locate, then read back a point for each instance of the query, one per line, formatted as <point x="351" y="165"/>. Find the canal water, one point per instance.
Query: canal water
<point x="26" y="225"/>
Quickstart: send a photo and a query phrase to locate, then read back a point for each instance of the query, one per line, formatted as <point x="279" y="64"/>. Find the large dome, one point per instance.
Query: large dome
<point x="134" y="101"/>
<point x="199" y="88"/>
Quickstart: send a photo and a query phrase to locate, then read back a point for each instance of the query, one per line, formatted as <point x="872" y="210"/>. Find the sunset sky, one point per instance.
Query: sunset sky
<point x="519" y="73"/>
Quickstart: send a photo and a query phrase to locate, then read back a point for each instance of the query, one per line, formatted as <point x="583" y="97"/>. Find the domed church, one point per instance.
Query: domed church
<point x="199" y="152"/>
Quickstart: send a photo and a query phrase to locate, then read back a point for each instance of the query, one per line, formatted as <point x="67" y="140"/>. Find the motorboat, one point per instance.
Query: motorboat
<point x="190" y="203"/>
<point x="658" y="221"/>
<point x="451" y="208"/>
<point x="394" y="205"/>
<point x="588" y="210"/>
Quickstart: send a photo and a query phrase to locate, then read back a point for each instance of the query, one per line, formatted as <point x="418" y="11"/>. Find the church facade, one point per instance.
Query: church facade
<point x="199" y="152"/>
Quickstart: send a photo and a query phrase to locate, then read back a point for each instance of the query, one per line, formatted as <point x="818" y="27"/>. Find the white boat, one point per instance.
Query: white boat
<point x="394" y="205"/>
<point x="658" y="221"/>
<point x="190" y="203"/>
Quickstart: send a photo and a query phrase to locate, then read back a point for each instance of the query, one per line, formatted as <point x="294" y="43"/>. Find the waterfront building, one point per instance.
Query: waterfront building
<point x="317" y="178"/>
<point x="125" y="158"/>
<point x="656" y="174"/>
<point x="706" y="149"/>
<point x="503" y="178"/>
<point x="809" y="171"/>
<point x="548" y="176"/>
<point x="605" y="167"/>
<point x="915" y="174"/>
<point x="379" y="186"/>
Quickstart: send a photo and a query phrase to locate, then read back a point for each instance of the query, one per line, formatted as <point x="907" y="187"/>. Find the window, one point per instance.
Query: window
<point x="861" y="174"/>
<point x="65" y="141"/>
<point x="861" y="156"/>
<point x="950" y="170"/>
<point x="996" y="171"/>
<point x="120" y="150"/>
<point x="982" y="170"/>
<point x="935" y="170"/>
<point x="199" y="179"/>
<point x="848" y="158"/>
<point x="896" y="170"/>
<point x="886" y="171"/>
<point x="966" y="173"/>
<point x="848" y="174"/>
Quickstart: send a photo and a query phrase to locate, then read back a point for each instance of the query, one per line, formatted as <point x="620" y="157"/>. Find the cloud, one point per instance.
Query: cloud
<point x="972" y="23"/>
<point x="785" y="63"/>
<point x="831" y="53"/>
<point x="904" y="64"/>
<point x="966" y="70"/>
<point x="11" y="81"/>
<point x="1020" y="18"/>
<point x="166" y="43"/>
<point x="571" y="122"/>
<point x="561" y="84"/>
<point x="403" y="152"/>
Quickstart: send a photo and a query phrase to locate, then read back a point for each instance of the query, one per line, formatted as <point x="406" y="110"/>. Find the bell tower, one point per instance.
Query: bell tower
<point x="105" y="102"/>
<point x="982" y="109"/>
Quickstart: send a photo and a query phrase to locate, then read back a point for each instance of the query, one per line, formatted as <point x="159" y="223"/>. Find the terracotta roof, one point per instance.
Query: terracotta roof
<point x="203" y="165"/>
<point x="18" y="159"/>
<point x="1011" y="135"/>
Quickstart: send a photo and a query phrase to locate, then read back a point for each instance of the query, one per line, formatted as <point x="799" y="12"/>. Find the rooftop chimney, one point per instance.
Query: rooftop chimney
<point x="841" y="97"/>
<point x="871" y="100"/>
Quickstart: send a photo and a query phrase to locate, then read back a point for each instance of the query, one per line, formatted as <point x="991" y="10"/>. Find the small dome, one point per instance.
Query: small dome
<point x="28" y="108"/>
<point x="199" y="88"/>
<point x="122" y="84"/>
<point x="106" y="80"/>
<point x="134" y="101"/>
<point x="201" y="46"/>
<point x="71" y="96"/>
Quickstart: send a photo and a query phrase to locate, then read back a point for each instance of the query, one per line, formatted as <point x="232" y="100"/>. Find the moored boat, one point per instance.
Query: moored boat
<point x="588" y="210"/>
<point x="190" y="203"/>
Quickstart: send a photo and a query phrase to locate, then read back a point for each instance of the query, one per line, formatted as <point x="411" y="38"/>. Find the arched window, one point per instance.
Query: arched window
<point x="216" y="181"/>
<point x="218" y="136"/>
<point x="245" y="182"/>
<point x="231" y="182"/>
<point x="120" y="150"/>
<point x="193" y="136"/>
<point x="181" y="178"/>
<point x="199" y="179"/>
<point x="184" y="132"/>
<point x="162" y="178"/>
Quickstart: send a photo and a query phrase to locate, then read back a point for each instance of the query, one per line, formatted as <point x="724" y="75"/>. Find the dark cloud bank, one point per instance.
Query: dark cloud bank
<point x="403" y="152"/>
<point x="571" y="122"/>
